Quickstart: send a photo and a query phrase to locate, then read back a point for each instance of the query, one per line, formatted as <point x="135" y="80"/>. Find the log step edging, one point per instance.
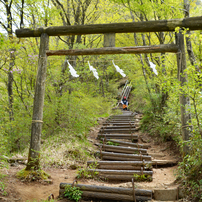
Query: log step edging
<point x="121" y="165"/>
<point x="118" y="136"/>
<point x="124" y="157"/>
<point x="155" y="163"/>
<point x="106" y="189"/>
<point x="109" y="193"/>
<point x="127" y="131"/>
<point x="109" y="196"/>
<point x="118" y="127"/>
<point x="125" y="178"/>
<point x="144" y="146"/>
<point x="122" y="172"/>
<point x="119" y="162"/>
<point x="119" y="149"/>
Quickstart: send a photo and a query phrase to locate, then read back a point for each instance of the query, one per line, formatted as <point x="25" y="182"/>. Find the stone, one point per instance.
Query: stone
<point x="48" y="181"/>
<point x="73" y="166"/>
<point x="166" y="194"/>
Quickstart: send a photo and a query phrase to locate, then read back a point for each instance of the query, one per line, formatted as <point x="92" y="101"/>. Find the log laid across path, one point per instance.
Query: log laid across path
<point x="105" y="189"/>
<point x="89" y="195"/>
<point x="121" y="165"/>
<point x="109" y="193"/>
<point x="118" y="127"/>
<point x="129" y="144"/>
<point x="118" y="136"/>
<point x="119" y="149"/>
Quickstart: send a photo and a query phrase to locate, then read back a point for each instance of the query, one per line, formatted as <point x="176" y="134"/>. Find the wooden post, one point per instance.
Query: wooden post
<point x="34" y="151"/>
<point x="184" y="100"/>
<point x="109" y="40"/>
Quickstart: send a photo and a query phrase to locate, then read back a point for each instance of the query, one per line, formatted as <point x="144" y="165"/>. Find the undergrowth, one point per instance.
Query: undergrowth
<point x="73" y="193"/>
<point x="86" y="173"/>
<point x="189" y="173"/>
<point x="2" y="184"/>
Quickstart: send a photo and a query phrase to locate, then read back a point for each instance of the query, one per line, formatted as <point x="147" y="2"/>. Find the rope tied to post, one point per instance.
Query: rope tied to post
<point x="186" y="126"/>
<point x="37" y="121"/>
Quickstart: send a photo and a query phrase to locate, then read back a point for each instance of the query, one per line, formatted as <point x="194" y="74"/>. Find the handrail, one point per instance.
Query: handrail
<point x="125" y="92"/>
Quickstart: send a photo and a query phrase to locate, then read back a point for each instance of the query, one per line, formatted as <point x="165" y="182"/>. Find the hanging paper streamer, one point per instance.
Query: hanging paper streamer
<point x="153" y="66"/>
<point x="72" y="70"/>
<point x="93" y="70"/>
<point x="118" y="69"/>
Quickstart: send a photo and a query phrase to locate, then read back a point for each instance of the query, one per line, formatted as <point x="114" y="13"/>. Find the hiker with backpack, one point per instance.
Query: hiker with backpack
<point x="124" y="103"/>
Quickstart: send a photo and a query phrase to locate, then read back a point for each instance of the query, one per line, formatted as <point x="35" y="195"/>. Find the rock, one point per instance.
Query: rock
<point x="73" y="166"/>
<point x="48" y="181"/>
<point x="166" y="194"/>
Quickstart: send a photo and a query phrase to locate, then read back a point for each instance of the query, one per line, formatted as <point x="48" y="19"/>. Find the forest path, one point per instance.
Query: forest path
<point x="163" y="178"/>
<point x="164" y="158"/>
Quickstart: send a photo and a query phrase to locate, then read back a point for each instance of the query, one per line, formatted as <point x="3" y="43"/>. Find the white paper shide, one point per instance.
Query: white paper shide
<point x="93" y="70"/>
<point x="72" y="70"/>
<point x="118" y="69"/>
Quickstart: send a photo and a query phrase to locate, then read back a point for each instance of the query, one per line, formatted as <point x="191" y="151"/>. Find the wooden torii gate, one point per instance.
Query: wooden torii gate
<point x="193" y="23"/>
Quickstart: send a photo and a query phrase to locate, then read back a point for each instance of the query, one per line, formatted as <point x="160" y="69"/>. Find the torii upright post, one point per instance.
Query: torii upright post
<point x="34" y="151"/>
<point x="184" y="100"/>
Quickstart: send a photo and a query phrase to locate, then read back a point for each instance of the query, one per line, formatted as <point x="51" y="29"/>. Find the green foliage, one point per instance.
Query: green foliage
<point x="73" y="193"/>
<point x="2" y="184"/>
<point x="190" y="169"/>
<point x="85" y="173"/>
<point x="143" y="177"/>
<point x="112" y="143"/>
<point x="3" y="177"/>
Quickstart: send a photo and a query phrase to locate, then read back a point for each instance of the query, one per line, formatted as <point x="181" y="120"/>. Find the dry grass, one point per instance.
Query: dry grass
<point x="64" y="151"/>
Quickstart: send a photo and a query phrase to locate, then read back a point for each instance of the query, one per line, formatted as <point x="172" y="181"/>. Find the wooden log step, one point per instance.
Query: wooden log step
<point x="124" y="157"/>
<point x="119" y="127"/>
<point x="164" y="162"/>
<point x="119" y="136"/>
<point x="127" y="131"/>
<point x="121" y="172"/>
<point x="124" y="178"/>
<point x="106" y="189"/>
<point x="119" y="149"/>
<point x="130" y="144"/>
<point x="122" y="115"/>
<point x="118" y="124"/>
<point x="121" y="120"/>
<point x="122" y="165"/>
<point x="108" y="196"/>
<point x="135" y="163"/>
<point x="114" y="158"/>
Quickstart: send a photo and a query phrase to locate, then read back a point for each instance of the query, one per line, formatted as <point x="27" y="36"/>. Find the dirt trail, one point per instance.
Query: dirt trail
<point x="37" y="191"/>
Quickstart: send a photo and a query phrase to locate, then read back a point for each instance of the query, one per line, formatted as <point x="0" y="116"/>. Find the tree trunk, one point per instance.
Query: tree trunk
<point x="184" y="100"/>
<point x="34" y="151"/>
<point x="10" y="85"/>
